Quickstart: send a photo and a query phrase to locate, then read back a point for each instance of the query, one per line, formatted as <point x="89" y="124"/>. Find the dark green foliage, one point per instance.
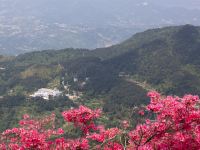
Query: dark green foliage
<point x="82" y="67"/>
<point x="12" y="101"/>
<point x="13" y="107"/>
<point x="125" y="94"/>
<point x="51" y="105"/>
<point x="8" y="111"/>
<point x="49" y="56"/>
<point x="8" y="118"/>
<point x="186" y="83"/>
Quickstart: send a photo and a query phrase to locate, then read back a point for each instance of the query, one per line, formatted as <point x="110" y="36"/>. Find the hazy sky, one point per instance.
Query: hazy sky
<point x="81" y="9"/>
<point x="82" y="4"/>
<point x="185" y="3"/>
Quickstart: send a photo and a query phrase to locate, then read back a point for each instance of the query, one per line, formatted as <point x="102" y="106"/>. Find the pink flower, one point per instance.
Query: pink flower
<point x="141" y="112"/>
<point x="125" y="124"/>
<point x="175" y="125"/>
<point x="26" y="116"/>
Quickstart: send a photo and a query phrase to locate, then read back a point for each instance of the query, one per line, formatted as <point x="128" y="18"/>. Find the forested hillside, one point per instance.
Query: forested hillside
<point x="114" y="78"/>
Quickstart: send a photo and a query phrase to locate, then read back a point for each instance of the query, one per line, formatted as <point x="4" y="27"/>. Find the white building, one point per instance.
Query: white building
<point x="1" y="68"/>
<point x="46" y="93"/>
<point x="75" y="79"/>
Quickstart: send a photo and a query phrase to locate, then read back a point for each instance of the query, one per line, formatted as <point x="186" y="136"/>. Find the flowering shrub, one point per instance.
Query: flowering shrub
<point x="176" y="125"/>
<point x="82" y="117"/>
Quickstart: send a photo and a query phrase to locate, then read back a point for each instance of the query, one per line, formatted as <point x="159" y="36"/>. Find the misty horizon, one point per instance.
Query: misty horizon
<point x="27" y="25"/>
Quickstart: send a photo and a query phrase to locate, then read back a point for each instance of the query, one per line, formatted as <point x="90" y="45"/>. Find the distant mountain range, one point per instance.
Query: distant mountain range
<point x="27" y="25"/>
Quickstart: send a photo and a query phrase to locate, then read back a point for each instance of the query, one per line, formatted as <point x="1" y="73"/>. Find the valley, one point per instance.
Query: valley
<point x="115" y="78"/>
<point x="27" y="26"/>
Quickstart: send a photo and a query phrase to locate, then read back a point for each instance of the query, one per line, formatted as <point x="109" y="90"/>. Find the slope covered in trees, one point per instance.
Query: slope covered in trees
<point x="165" y="59"/>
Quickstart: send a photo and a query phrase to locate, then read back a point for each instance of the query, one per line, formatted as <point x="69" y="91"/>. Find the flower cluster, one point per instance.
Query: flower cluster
<point x="82" y="117"/>
<point x="32" y="134"/>
<point x="175" y="125"/>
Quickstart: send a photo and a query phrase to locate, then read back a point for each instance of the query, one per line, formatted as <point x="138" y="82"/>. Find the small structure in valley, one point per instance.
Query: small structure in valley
<point x="74" y="96"/>
<point x="123" y="74"/>
<point x="2" y="68"/>
<point x="46" y="93"/>
<point x="75" y="79"/>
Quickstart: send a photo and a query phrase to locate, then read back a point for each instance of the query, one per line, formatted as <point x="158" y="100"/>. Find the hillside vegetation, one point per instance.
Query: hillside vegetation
<point x="165" y="59"/>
